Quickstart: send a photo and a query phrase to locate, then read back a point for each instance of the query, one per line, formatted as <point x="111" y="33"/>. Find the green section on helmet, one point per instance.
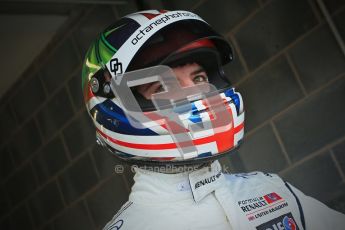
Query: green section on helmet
<point x="96" y="57"/>
<point x="106" y="51"/>
<point x="107" y="43"/>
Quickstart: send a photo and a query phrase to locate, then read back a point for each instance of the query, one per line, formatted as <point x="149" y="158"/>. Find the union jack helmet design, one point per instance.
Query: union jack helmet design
<point x="150" y="38"/>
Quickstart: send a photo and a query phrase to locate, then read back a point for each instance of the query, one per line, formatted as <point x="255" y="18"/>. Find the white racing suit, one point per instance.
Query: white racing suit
<point x="209" y="199"/>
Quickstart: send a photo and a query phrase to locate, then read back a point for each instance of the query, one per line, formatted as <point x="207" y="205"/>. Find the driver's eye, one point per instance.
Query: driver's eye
<point x="200" y="79"/>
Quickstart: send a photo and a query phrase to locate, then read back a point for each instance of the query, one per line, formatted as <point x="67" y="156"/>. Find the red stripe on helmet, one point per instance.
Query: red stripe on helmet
<point x="205" y="140"/>
<point x="162" y="158"/>
<point x="203" y="43"/>
<point x="88" y="94"/>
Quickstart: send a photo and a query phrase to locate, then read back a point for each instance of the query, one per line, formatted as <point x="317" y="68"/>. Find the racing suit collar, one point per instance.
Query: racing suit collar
<point x="153" y="187"/>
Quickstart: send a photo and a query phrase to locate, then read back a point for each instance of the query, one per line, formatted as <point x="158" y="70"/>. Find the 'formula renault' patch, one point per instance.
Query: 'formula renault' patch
<point x="259" y="202"/>
<point x="283" y="222"/>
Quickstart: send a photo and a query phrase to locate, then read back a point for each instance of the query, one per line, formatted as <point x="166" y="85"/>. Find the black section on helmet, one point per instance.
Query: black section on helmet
<point x="104" y="89"/>
<point x="118" y="33"/>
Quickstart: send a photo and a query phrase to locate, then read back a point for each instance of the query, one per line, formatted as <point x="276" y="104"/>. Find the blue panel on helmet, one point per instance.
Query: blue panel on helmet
<point x="115" y="120"/>
<point x="124" y="155"/>
<point x="235" y="98"/>
<point x="195" y="116"/>
<point x="207" y="154"/>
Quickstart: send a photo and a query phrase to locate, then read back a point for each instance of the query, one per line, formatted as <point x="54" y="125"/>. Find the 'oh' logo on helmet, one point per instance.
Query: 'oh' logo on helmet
<point x="115" y="66"/>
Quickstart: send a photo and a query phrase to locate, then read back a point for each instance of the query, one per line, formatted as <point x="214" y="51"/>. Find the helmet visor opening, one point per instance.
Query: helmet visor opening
<point x="175" y="36"/>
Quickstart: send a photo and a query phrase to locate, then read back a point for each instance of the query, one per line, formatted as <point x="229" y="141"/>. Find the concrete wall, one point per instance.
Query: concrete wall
<point x="288" y="67"/>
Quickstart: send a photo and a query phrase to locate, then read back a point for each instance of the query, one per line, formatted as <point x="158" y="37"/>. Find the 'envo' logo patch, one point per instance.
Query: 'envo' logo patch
<point x="284" y="222"/>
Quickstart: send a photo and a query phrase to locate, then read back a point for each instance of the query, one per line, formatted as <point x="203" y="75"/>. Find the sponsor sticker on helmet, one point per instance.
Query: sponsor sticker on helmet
<point x="115" y="66"/>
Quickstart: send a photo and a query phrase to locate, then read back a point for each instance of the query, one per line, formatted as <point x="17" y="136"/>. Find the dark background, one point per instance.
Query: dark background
<point x="288" y="67"/>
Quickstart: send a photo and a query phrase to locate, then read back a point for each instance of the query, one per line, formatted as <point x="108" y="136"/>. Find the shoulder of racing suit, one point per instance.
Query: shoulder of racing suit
<point x="255" y="178"/>
<point x="276" y="204"/>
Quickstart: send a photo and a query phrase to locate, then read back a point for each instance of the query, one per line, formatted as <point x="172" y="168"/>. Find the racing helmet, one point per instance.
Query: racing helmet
<point x="137" y="44"/>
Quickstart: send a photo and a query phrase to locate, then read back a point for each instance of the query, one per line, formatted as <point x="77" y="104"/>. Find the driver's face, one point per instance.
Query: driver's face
<point x="187" y="75"/>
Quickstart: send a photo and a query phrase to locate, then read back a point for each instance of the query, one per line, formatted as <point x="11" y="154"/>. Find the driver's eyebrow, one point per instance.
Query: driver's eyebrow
<point x="198" y="70"/>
